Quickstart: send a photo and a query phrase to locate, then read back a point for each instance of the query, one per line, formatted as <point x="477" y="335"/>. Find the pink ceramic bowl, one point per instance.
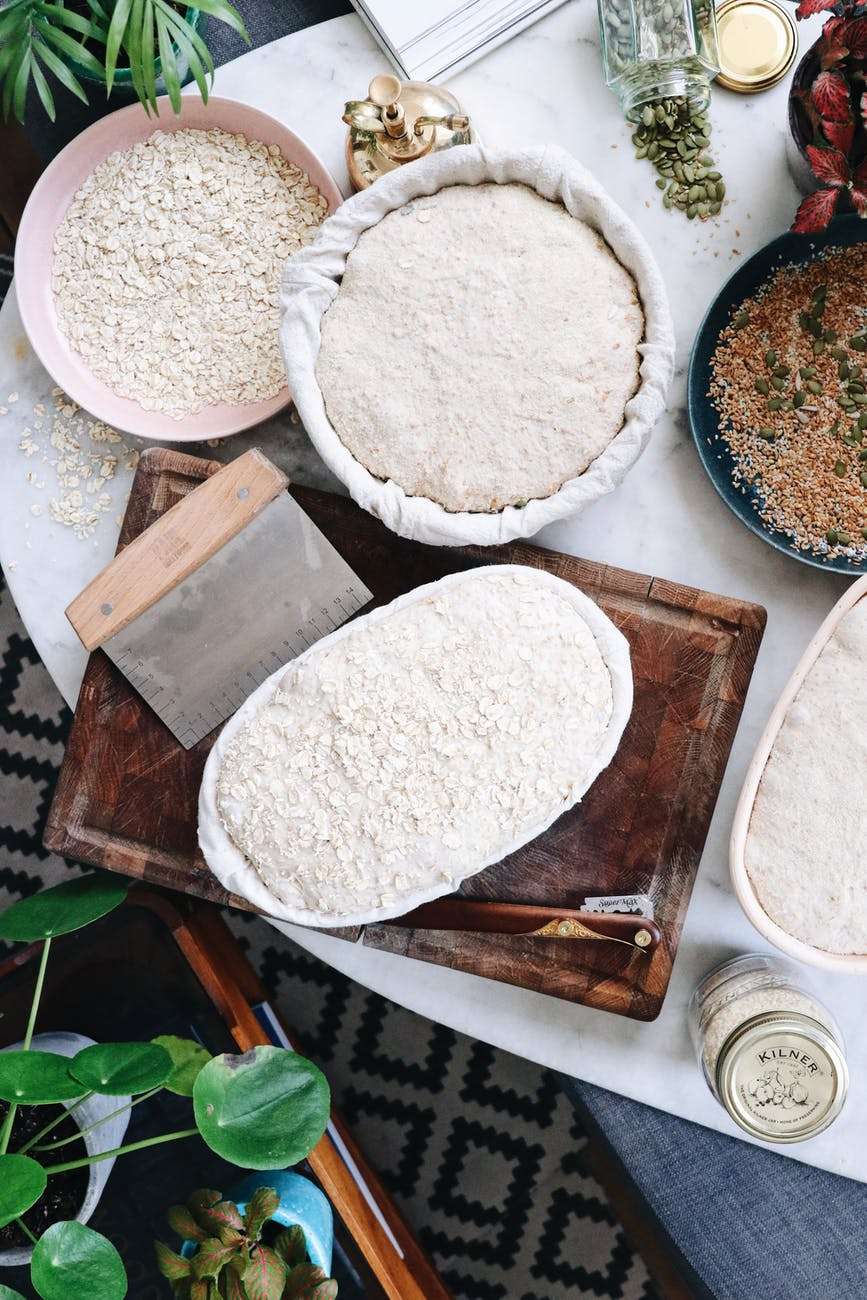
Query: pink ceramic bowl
<point x="34" y="252"/>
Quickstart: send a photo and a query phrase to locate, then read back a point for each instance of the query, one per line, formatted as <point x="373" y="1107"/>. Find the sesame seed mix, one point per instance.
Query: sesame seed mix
<point x="789" y="380"/>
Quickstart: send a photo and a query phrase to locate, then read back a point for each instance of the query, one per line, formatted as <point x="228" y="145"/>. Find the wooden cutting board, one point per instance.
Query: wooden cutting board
<point x="127" y="794"/>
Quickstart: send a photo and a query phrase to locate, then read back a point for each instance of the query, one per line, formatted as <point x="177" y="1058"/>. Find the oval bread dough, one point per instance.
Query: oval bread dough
<point x="423" y="743"/>
<point x="806" y="848"/>
<point x="482" y="347"/>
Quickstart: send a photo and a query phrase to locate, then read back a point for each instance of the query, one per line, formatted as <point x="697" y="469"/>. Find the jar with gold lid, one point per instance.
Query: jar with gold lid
<point x="771" y="1052"/>
<point x="653" y="50"/>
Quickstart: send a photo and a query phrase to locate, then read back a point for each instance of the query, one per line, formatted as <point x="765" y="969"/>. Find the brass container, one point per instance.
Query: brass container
<point x="399" y="122"/>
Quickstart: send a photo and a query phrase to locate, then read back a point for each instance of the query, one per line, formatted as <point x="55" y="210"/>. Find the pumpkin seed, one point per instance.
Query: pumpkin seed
<point x="840" y="468"/>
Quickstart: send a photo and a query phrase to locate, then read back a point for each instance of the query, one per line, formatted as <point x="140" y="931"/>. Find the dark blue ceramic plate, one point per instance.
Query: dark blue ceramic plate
<point x="703" y="418"/>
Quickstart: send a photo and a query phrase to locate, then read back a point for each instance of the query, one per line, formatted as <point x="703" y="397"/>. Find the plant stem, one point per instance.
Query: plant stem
<point x="120" y="1151"/>
<point x="52" y="1124"/>
<point x="6" y="1132"/>
<point x="64" y="1142"/>
<point x="24" y="1228"/>
<point x="37" y="994"/>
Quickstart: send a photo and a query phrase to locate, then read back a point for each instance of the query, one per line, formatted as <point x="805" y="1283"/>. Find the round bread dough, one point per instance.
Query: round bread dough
<point x="481" y="348"/>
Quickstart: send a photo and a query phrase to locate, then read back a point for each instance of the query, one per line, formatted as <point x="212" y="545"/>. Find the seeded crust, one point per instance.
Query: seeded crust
<point x="390" y="761"/>
<point x="806" y="849"/>
<point x="482" y="347"/>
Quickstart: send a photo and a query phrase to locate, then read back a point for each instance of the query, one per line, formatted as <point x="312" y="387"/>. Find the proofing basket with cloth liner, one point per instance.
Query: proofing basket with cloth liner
<point x="311" y="282"/>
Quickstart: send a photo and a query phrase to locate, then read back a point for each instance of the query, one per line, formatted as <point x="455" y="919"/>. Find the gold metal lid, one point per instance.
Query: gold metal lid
<point x="782" y="1077"/>
<point x="758" y="41"/>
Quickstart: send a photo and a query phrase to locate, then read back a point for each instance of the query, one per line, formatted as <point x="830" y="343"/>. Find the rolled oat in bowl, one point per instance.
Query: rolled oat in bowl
<point x="167" y="266"/>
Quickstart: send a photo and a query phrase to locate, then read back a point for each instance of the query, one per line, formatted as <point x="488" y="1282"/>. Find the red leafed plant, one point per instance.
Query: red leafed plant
<point x="831" y="114"/>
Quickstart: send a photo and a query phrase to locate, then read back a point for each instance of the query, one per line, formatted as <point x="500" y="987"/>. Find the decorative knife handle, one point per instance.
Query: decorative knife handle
<point x="634" y="931"/>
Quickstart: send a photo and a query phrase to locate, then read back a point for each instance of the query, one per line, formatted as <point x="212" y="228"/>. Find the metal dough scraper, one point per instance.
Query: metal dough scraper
<point x="229" y="584"/>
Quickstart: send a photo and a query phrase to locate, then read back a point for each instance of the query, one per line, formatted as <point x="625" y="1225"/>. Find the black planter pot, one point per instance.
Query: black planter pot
<point x="800" y="130"/>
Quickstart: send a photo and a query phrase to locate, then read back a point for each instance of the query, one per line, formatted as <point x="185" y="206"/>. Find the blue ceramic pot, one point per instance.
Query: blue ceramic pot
<point x="301" y="1203"/>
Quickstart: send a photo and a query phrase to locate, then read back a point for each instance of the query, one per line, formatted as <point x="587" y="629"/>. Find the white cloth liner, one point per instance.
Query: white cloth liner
<point x="237" y="874"/>
<point x="310" y="284"/>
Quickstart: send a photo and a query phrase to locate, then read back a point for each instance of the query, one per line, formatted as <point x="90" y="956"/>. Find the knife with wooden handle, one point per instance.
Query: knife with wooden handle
<point x="531" y="921"/>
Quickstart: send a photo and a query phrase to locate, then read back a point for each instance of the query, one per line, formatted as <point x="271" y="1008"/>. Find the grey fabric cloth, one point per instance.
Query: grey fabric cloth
<point x="266" y="20"/>
<point x="748" y="1224"/>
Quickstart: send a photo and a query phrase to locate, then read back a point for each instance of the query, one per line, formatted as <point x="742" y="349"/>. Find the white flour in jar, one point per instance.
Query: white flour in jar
<point x="721" y="1024"/>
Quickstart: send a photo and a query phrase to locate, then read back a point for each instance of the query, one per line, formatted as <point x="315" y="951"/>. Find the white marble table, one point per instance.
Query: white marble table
<point x="665" y="520"/>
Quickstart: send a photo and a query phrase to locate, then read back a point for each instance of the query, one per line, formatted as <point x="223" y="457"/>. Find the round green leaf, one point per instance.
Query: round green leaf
<point x="117" y="1069"/>
<point x="6" y="1293"/>
<point x="37" y="1078"/>
<point x="70" y="1259"/>
<point x="62" y="909"/>
<point x="264" y="1110"/>
<point x="22" y="1182"/>
<point x="188" y="1058"/>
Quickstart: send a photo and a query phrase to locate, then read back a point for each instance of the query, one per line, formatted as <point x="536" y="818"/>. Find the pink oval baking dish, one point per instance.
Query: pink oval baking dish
<point x="34" y="253"/>
<point x="854" y="963"/>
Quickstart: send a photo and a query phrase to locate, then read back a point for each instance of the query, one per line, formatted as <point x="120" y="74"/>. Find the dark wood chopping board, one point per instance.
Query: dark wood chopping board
<point x="127" y="794"/>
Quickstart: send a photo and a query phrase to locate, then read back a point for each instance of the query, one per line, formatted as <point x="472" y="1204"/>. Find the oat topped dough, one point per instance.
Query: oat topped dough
<point x="482" y="347"/>
<point x="435" y="737"/>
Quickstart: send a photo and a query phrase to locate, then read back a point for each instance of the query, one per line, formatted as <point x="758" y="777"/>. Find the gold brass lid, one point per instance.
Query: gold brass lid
<point x="782" y="1077"/>
<point x="758" y="41"/>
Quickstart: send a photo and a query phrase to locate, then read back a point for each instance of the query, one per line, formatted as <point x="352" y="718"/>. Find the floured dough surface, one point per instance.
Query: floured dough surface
<point x="806" y="849"/>
<point x="427" y="740"/>
<point x="482" y="347"/>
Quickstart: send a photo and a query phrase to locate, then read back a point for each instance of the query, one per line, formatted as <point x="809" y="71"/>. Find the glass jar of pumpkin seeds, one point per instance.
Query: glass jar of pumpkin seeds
<point x="657" y="50"/>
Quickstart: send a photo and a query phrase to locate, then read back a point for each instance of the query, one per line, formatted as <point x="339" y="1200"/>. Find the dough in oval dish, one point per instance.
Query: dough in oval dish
<point x="481" y="348"/>
<point x="806" y="846"/>
<point x="420" y="745"/>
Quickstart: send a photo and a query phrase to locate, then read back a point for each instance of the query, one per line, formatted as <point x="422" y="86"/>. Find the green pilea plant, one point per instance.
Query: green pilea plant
<point x="265" y="1109"/>
<point x="231" y="1261"/>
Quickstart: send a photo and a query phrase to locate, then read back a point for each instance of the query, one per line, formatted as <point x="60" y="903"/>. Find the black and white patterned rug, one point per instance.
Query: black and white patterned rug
<point x="481" y="1149"/>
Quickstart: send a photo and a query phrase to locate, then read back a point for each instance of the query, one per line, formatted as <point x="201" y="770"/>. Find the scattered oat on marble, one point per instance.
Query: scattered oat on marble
<point x="84" y="454"/>
<point x="167" y="267"/>
<point x="12" y="399"/>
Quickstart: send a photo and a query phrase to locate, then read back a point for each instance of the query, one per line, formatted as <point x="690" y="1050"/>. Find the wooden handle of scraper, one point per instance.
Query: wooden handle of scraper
<point x="173" y="547"/>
